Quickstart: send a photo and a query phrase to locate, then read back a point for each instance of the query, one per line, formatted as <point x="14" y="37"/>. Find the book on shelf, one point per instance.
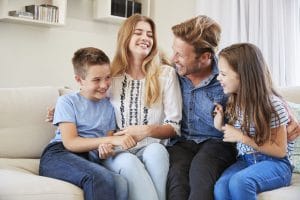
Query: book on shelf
<point x="21" y="14"/>
<point x="44" y="12"/>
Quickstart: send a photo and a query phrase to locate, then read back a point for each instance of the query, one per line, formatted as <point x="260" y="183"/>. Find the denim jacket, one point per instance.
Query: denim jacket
<point x="198" y="106"/>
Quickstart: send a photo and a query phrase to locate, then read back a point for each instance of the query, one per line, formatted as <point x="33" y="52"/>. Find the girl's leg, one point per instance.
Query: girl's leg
<point x="262" y="176"/>
<point x="221" y="189"/>
<point x="96" y="181"/>
<point x="140" y="185"/>
<point x="156" y="160"/>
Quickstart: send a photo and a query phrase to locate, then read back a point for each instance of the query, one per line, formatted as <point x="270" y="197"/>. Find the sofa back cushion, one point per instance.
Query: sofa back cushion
<point x="23" y="130"/>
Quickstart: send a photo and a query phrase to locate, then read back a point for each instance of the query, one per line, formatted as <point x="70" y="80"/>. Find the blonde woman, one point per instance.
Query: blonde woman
<point x="147" y="101"/>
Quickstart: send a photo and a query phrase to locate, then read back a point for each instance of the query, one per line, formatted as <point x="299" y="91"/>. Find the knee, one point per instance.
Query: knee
<point x="127" y="162"/>
<point x="220" y="189"/>
<point x="156" y="151"/>
<point x="238" y="182"/>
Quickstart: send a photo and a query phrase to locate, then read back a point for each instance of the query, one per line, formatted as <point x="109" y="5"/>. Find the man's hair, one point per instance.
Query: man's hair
<point x="202" y="32"/>
<point x="85" y="57"/>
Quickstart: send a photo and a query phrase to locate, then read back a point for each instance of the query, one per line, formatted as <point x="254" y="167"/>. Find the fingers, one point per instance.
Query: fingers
<point x="105" y="151"/>
<point x="50" y="114"/>
<point x="293" y="130"/>
<point x="128" y="142"/>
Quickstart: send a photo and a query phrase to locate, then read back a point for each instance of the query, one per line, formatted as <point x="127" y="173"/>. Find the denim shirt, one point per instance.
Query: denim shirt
<point x="198" y="106"/>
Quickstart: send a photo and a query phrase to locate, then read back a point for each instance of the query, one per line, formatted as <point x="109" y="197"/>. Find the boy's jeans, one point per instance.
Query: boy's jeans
<point x="251" y="174"/>
<point x="96" y="181"/>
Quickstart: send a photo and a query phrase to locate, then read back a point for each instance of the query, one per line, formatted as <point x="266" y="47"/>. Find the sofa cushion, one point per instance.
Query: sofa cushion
<point x="23" y="131"/>
<point x="22" y="185"/>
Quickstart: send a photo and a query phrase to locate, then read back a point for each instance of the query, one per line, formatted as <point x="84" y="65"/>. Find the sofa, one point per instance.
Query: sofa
<point x="24" y="134"/>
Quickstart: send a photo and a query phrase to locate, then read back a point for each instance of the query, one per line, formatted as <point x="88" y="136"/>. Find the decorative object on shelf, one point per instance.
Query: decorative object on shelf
<point x="21" y="14"/>
<point x="115" y="11"/>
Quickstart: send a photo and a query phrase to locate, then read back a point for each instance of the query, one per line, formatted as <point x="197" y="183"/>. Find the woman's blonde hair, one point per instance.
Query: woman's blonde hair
<point x="150" y="66"/>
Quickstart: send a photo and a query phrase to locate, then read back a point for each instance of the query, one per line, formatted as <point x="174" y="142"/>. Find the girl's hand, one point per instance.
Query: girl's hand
<point x="218" y="116"/>
<point x="50" y="114"/>
<point x="232" y="134"/>
<point x="105" y="151"/>
<point x="125" y="141"/>
<point x="138" y="132"/>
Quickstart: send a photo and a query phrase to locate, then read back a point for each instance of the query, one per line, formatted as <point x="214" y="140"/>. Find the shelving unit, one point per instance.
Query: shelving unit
<point x="19" y="5"/>
<point x="102" y="10"/>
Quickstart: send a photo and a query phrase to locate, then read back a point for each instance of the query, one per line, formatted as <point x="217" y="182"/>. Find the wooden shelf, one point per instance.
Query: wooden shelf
<point x="19" y="5"/>
<point x="102" y="11"/>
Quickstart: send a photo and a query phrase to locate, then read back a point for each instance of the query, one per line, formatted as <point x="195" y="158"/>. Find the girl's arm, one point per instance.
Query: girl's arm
<point x="218" y="116"/>
<point x="73" y="142"/>
<point x="276" y="147"/>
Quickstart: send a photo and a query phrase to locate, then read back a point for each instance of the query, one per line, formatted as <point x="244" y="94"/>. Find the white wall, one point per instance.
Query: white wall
<point x="39" y="56"/>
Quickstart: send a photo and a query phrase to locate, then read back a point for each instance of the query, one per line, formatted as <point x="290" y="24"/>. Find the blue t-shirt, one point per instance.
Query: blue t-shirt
<point x="92" y="118"/>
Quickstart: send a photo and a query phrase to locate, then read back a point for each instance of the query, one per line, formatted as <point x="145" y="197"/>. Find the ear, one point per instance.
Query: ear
<point x="78" y="79"/>
<point x="205" y="58"/>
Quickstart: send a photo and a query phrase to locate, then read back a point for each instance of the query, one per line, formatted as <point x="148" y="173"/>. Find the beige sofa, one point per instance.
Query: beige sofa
<point x="24" y="134"/>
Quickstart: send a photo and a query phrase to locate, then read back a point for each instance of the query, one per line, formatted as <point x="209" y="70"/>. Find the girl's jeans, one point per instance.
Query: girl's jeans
<point x="251" y="174"/>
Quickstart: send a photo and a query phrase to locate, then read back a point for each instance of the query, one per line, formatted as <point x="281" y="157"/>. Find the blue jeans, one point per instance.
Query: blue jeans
<point x="252" y="174"/>
<point x="146" y="171"/>
<point x="96" y="181"/>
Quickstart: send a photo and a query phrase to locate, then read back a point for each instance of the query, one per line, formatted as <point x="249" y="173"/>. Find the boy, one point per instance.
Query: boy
<point x="83" y="119"/>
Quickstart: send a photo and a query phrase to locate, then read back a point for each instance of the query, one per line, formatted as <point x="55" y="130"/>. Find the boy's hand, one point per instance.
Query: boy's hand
<point x="105" y="151"/>
<point x="218" y="116"/>
<point x="50" y="114"/>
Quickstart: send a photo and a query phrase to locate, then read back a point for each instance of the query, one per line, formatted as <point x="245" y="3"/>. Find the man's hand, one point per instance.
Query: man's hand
<point x="293" y="129"/>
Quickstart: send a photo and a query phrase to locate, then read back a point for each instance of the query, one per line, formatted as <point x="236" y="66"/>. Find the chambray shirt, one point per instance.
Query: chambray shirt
<point x="198" y="106"/>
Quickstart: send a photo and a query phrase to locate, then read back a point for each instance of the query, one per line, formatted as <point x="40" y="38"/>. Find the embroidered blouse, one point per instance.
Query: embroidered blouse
<point x="127" y="98"/>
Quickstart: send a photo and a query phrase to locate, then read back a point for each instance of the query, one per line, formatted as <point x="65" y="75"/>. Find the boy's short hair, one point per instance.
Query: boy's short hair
<point x="85" y="57"/>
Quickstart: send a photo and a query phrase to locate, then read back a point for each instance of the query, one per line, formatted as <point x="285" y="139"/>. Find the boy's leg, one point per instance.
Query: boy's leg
<point x="140" y="185"/>
<point x="262" y="176"/>
<point x="213" y="157"/>
<point x="95" y="180"/>
<point x="181" y="155"/>
<point x="156" y="160"/>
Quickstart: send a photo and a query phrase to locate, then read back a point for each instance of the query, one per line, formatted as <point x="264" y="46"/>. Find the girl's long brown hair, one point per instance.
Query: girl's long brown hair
<point x="253" y="96"/>
<point x="151" y="64"/>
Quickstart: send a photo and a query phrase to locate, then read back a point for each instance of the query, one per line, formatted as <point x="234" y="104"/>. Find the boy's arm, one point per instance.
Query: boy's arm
<point x="73" y="142"/>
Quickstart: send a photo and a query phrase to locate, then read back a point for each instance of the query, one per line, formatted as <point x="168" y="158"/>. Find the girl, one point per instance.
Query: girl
<point x="257" y="120"/>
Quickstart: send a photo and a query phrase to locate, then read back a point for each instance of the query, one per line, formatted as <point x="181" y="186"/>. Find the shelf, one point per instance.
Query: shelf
<point x="19" y="5"/>
<point x="103" y="10"/>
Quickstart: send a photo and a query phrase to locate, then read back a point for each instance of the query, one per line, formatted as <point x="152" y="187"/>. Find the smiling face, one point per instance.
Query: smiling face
<point x="228" y="78"/>
<point x="96" y="82"/>
<point x="141" y="41"/>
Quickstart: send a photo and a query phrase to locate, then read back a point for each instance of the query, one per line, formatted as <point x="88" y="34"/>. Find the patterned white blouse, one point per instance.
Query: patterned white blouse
<point x="127" y="98"/>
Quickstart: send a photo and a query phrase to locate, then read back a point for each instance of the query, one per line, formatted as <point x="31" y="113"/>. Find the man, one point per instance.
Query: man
<point x="199" y="156"/>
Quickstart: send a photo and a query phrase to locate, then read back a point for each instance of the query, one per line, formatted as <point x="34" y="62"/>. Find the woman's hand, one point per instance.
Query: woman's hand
<point x="218" y="116"/>
<point x="138" y="132"/>
<point x="125" y="141"/>
<point x="232" y="134"/>
<point x="50" y="114"/>
<point x="105" y="151"/>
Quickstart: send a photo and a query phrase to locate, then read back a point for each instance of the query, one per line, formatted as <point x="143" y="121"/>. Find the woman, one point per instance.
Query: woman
<point x="147" y="101"/>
